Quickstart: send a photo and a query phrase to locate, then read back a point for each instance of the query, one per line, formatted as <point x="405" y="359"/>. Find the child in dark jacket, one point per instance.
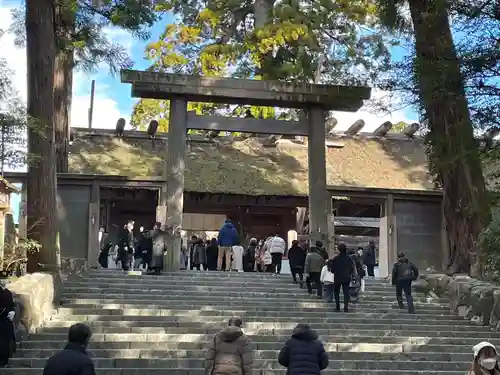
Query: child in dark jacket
<point x="303" y="353"/>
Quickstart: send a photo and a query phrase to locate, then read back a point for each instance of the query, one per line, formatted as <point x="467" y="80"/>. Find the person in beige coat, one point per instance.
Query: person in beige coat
<point x="229" y="352"/>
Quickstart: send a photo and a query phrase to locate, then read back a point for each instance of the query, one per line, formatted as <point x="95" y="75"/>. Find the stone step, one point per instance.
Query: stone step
<point x="188" y="371"/>
<point x="222" y="290"/>
<point x="273" y="282"/>
<point x="281" y="315"/>
<point x="314" y="322"/>
<point x="344" y="345"/>
<point x="270" y="329"/>
<point x="314" y="306"/>
<point x="358" y="336"/>
<point x="259" y="363"/>
<point x="282" y="286"/>
<point x="258" y="354"/>
<point x="269" y="298"/>
<point x="219" y="275"/>
<point x="210" y="277"/>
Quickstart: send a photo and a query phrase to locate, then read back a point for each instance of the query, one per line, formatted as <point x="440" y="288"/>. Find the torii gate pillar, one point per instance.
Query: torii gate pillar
<point x="172" y="195"/>
<point x="318" y="212"/>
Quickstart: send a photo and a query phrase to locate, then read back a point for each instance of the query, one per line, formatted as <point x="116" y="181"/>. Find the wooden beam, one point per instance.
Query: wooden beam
<point x="248" y="125"/>
<point x="240" y="91"/>
<point x="210" y="199"/>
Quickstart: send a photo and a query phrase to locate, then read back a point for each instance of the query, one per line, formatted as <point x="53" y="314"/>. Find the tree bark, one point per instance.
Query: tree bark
<point x="63" y="82"/>
<point x="453" y="149"/>
<point x="41" y="180"/>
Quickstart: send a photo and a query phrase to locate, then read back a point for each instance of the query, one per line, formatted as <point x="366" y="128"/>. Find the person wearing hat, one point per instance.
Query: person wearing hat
<point x="485" y="360"/>
<point x="403" y="273"/>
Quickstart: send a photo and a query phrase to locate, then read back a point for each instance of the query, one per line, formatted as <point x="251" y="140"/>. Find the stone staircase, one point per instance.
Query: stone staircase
<point x="152" y="325"/>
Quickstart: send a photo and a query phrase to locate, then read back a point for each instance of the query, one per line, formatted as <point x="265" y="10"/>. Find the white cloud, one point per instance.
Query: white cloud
<point x="106" y="109"/>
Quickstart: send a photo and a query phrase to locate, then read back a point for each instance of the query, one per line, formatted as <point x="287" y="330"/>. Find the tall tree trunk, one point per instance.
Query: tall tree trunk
<point x="41" y="180"/>
<point x="453" y="149"/>
<point x="63" y="84"/>
<point x="63" y="81"/>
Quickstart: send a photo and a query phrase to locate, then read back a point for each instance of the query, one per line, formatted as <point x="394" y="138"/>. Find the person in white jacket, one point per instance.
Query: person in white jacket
<point x="237" y="258"/>
<point x="327" y="279"/>
<point x="277" y="248"/>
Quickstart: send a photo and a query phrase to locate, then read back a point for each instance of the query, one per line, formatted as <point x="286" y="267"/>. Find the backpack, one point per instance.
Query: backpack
<point x="406" y="272"/>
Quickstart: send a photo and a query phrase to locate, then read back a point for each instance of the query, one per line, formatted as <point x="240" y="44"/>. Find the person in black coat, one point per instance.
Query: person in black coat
<point x="144" y="249"/>
<point x="297" y="258"/>
<point x="303" y="353"/>
<point x="343" y="269"/>
<point x="158" y="248"/>
<point x="212" y="254"/>
<point x="73" y="359"/>
<point x="318" y="247"/>
<point x="404" y="273"/>
<point x="126" y="245"/>
<point x="249" y="256"/>
<point x="105" y="247"/>
<point x="370" y="259"/>
<point x="7" y="334"/>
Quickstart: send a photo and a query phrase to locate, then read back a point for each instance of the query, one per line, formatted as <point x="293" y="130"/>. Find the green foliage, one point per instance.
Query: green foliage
<point x="399" y="127"/>
<point x="336" y="41"/>
<point x="476" y="28"/>
<point x="83" y="29"/>
<point x="489" y="242"/>
<point x="13" y="124"/>
<point x="16" y="255"/>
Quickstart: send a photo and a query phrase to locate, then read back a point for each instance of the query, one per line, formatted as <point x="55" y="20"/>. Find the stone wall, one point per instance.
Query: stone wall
<point x="34" y="296"/>
<point x="475" y="300"/>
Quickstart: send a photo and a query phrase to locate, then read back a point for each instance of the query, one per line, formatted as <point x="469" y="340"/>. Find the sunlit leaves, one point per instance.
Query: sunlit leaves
<point x="219" y="38"/>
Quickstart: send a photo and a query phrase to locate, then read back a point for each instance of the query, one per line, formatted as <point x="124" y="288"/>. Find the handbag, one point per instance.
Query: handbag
<point x="354" y="283"/>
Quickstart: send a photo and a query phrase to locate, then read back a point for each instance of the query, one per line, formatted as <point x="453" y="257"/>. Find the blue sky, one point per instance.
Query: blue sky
<point x="113" y="98"/>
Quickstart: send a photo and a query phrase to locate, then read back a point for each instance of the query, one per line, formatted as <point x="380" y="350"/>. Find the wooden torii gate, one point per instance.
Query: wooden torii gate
<point x="179" y="89"/>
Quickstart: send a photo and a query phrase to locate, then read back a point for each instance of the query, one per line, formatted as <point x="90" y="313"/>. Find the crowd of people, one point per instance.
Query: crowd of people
<point x="344" y="271"/>
<point x="145" y="251"/>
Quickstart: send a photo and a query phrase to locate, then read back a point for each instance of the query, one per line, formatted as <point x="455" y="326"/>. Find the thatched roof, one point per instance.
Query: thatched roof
<point x="248" y="167"/>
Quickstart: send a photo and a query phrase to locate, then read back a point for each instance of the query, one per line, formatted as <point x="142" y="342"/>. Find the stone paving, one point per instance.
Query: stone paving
<point x="162" y="324"/>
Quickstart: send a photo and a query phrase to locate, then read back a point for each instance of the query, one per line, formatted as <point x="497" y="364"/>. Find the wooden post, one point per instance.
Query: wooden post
<point x="93" y="233"/>
<point x="173" y="195"/>
<point x="318" y="222"/>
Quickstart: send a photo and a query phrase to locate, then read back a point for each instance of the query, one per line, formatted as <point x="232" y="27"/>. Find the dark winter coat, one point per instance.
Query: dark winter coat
<point x="249" y="258"/>
<point x="199" y="254"/>
<point x="212" y="254"/>
<point x="106" y="246"/>
<point x="126" y="241"/>
<point x="70" y="361"/>
<point x="404" y="270"/>
<point x="228" y="235"/>
<point x="342" y="267"/>
<point x="358" y="261"/>
<point x="144" y="248"/>
<point x="321" y="251"/>
<point x="229" y="353"/>
<point x="303" y="353"/>
<point x="157" y="237"/>
<point x="7" y="333"/>
<point x="297" y="257"/>
<point x="314" y="262"/>
<point x="370" y="256"/>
